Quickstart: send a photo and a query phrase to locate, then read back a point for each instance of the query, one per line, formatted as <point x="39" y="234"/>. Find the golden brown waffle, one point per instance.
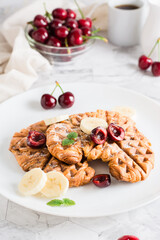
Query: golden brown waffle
<point x="78" y="174"/>
<point x="58" y="131"/>
<point x="129" y="160"/>
<point x="26" y="156"/>
<point x="55" y="134"/>
<point x="135" y="145"/>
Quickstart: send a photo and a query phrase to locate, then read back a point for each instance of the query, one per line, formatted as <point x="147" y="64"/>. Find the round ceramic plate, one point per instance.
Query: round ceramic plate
<point x="25" y="109"/>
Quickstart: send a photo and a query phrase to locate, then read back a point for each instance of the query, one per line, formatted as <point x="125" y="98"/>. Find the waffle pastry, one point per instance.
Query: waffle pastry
<point x="129" y="160"/>
<point x="78" y="174"/>
<point x="26" y="156"/>
<point x="58" y="131"/>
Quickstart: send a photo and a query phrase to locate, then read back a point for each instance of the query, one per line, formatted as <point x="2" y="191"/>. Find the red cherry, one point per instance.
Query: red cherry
<point x="156" y="69"/>
<point x="61" y="32"/>
<point x="115" y="132"/>
<point x="59" y="13"/>
<point x="86" y="31"/>
<point x="53" y="41"/>
<point x="70" y="13"/>
<point x="75" y="37"/>
<point x="85" y="22"/>
<point x="35" y="139"/>
<point x="54" y="24"/>
<point x="66" y="100"/>
<point x="144" y="62"/>
<point x="128" y="237"/>
<point x="40" y="35"/>
<point x="99" y="135"/>
<point x="90" y="21"/>
<point x="71" y="23"/>
<point x="40" y="21"/>
<point x="102" y="180"/>
<point x="48" y="101"/>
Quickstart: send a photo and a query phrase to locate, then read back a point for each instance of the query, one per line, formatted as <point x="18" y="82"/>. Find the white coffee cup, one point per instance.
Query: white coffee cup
<point x="124" y="26"/>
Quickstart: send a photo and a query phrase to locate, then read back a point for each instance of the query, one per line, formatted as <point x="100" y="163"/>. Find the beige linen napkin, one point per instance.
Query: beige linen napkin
<point x="18" y="62"/>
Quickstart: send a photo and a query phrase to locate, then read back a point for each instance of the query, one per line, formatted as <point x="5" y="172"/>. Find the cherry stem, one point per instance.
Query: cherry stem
<point x="95" y="31"/>
<point x="47" y="14"/>
<point x="57" y="83"/>
<point x="153" y="48"/>
<point x="31" y="23"/>
<point x="66" y="44"/>
<point x="95" y="37"/>
<point x="54" y="89"/>
<point x="93" y="19"/>
<point x="79" y="9"/>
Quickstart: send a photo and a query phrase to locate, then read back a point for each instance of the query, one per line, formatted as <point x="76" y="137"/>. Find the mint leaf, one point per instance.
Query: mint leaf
<point x="68" y="202"/>
<point x="55" y="203"/>
<point x="66" y="142"/>
<point x="72" y="135"/>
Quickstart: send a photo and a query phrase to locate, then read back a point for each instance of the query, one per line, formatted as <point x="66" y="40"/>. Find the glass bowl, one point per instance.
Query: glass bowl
<point x="58" y="55"/>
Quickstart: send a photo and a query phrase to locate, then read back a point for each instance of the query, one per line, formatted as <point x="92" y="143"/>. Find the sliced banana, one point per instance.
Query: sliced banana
<point x="89" y="123"/>
<point x="57" y="185"/>
<point x="127" y="111"/>
<point x="32" y="182"/>
<point x="59" y="118"/>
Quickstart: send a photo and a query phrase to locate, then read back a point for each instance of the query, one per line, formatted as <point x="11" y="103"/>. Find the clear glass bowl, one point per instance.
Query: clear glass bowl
<point x="58" y="55"/>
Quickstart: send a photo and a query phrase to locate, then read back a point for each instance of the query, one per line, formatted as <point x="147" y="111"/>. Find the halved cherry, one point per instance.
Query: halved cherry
<point x="36" y="139"/>
<point x="99" y="135"/>
<point x="115" y="132"/>
<point x="102" y="180"/>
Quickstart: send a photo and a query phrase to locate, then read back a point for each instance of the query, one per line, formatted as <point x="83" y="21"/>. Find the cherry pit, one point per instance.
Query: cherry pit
<point x="65" y="100"/>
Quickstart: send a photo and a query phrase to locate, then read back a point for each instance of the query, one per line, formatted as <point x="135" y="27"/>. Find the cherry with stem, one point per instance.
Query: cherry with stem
<point x="145" y="62"/>
<point x="48" y="101"/>
<point x="66" y="99"/>
<point x="156" y="65"/>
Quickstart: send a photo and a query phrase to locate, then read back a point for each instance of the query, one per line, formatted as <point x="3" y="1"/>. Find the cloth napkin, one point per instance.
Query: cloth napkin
<point x="18" y="62"/>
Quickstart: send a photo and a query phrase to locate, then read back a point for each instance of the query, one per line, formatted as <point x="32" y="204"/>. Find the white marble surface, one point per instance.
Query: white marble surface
<point x="111" y="65"/>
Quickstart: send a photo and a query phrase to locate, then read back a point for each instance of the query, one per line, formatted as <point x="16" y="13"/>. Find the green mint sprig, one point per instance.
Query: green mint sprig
<point x="66" y="142"/>
<point x="65" y="202"/>
<point x="72" y="135"/>
<point x="70" y="139"/>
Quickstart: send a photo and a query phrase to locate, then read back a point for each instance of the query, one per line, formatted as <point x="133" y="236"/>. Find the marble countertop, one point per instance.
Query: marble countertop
<point x="103" y="64"/>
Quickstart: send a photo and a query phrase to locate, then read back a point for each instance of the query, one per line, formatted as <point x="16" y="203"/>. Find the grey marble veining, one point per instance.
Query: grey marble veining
<point x="103" y="64"/>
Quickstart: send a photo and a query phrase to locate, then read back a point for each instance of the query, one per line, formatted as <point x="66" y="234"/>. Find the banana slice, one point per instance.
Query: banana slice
<point x="32" y="182"/>
<point x="59" y="118"/>
<point x="57" y="185"/>
<point x="127" y="111"/>
<point x="89" y="123"/>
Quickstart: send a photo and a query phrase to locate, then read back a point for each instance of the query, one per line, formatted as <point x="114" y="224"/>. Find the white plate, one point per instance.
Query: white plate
<point x="25" y="109"/>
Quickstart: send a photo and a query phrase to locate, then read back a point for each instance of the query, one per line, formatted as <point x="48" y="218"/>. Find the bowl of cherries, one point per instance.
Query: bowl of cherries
<point x="60" y="36"/>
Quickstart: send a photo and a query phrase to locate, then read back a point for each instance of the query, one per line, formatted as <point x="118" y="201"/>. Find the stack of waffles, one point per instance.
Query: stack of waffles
<point x="129" y="160"/>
